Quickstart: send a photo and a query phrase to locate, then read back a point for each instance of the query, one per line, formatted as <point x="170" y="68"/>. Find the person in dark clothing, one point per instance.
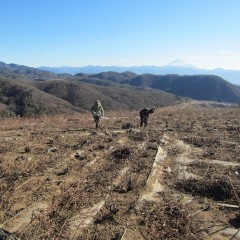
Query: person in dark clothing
<point x="144" y="115"/>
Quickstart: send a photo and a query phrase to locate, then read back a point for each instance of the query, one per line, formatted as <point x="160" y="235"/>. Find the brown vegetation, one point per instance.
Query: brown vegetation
<point x="48" y="192"/>
<point x="34" y="98"/>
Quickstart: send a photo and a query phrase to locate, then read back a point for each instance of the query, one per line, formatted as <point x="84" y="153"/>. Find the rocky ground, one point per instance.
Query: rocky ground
<point x="178" y="178"/>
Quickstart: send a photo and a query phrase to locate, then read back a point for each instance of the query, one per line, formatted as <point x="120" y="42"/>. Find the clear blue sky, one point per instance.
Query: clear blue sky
<point x="205" y="33"/>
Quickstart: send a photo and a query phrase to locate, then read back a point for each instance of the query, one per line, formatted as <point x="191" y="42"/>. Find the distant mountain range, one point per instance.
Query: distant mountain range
<point x="176" y="67"/>
<point x="27" y="91"/>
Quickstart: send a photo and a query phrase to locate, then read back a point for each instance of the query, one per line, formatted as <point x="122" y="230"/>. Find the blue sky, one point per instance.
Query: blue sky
<point x="204" y="33"/>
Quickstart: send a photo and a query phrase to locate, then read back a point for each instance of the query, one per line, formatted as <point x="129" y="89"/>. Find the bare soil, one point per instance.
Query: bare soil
<point x="178" y="178"/>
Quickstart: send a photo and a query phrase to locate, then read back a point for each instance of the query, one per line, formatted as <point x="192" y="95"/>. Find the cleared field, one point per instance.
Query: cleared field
<point x="176" y="179"/>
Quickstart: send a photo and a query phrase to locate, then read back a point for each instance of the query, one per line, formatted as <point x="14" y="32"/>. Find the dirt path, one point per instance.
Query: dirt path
<point x="179" y="164"/>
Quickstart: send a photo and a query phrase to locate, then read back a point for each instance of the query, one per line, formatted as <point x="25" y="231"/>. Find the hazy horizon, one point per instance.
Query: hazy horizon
<point x="123" y="66"/>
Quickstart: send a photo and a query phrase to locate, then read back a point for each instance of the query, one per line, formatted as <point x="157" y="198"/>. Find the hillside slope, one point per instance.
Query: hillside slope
<point x="16" y="71"/>
<point x="28" y="91"/>
<point x="199" y="87"/>
<point x="83" y="95"/>
<point x="31" y="98"/>
<point x="19" y="98"/>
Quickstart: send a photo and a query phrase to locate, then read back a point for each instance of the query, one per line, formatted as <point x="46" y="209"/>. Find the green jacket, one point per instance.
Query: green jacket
<point x="97" y="110"/>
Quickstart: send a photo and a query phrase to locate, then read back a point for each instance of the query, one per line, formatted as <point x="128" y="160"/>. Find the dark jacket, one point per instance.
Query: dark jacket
<point x="144" y="113"/>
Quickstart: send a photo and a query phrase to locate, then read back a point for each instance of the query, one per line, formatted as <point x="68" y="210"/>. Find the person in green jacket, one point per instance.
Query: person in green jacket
<point x="97" y="112"/>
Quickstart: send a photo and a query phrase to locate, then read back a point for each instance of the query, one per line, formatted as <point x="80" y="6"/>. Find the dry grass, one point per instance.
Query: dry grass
<point x="30" y="173"/>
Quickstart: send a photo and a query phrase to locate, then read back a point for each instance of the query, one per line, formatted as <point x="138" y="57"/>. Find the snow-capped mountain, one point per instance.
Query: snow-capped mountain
<point x="179" y="63"/>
